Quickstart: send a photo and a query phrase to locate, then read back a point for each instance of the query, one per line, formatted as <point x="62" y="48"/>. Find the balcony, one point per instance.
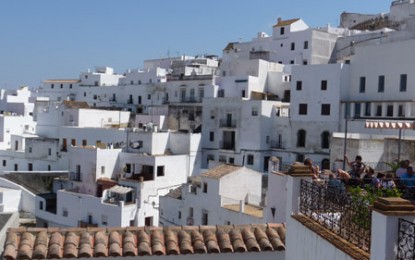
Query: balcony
<point x="227" y="123"/>
<point x="276" y="145"/>
<point x="190" y="100"/>
<point x="227" y="145"/>
<point x="75" y="176"/>
<point x="261" y="55"/>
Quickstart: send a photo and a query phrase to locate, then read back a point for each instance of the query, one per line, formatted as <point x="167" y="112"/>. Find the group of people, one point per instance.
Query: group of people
<point x="360" y="174"/>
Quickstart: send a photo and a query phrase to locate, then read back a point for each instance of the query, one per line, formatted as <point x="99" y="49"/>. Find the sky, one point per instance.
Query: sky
<point x="50" y="39"/>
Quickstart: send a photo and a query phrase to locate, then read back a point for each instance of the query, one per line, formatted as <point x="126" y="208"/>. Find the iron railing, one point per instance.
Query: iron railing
<point x="406" y="240"/>
<point x="228" y="123"/>
<point x="347" y="216"/>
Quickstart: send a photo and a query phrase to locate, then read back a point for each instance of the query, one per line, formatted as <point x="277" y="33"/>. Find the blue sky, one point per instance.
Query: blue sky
<point x="48" y="39"/>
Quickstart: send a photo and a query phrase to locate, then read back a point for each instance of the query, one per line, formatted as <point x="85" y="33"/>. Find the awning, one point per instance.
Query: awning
<point x="390" y="124"/>
<point x="120" y="189"/>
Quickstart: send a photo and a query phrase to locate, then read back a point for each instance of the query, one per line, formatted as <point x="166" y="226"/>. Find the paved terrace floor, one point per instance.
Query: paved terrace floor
<point x="249" y="209"/>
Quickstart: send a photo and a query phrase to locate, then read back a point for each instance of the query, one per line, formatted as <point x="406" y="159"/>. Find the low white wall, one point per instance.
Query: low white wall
<point x="312" y="245"/>
<point x="27" y="201"/>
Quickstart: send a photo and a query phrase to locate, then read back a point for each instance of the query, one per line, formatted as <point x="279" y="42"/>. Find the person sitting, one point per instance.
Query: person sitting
<point x="403" y="165"/>
<point x="314" y="169"/>
<point x="335" y="184"/>
<point x="356" y="169"/>
<point x="388" y="182"/>
<point x="408" y="179"/>
<point x="370" y="179"/>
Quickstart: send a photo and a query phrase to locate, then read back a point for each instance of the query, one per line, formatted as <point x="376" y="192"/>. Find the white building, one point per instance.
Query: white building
<point x="114" y="187"/>
<point x="225" y="194"/>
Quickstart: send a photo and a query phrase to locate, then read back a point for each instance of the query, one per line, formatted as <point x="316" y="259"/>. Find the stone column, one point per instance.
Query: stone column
<point x="385" y="226"/>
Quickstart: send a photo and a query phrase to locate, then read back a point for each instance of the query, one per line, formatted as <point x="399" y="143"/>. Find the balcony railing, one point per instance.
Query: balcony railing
<point x="75" y="176"/>
<point x="227" y="123"/>
<point x="227" y="145"/>
<point x="276" y="144"/>
<point x="334" y="209"/>
<point x="190" y="100"/>
<point x="406" y="240"/>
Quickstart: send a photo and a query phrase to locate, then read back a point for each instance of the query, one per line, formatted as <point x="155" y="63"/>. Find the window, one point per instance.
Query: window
<point x="205" y="187"/>
<point x="282" y="30"/>
<point x="302" y="110"/>
<point x="190" y="212"/>
<point x="50" y="151"/>
<point x="381" y="84"/>
<point x="254" y="111"/>
<point x="16" y="167"/>
<point x="127" y="168"/>
<point x="179" y="215"/>
<point x="30" y="167"/>
<point x="4" y="163"/>
<point x="362" y="84"/>
<point x="41" y="205"/>
<point x="357" y="109"/>
<point x="61" y="85"/>
<point x="401" y="113"/>
<point x="149" y="96"/>
<point x="325" y="109"/>
<point x="299" y="85"/>
<point x="211" y="136"/>
<point x="64" y="212"/>
<point x="210" y="157"/>
<point x="231" y="160"/>
<point x="305" y="62"/>
<point x="402" y="83"/>
<point x="379" y="110"/>
<point x="389" y="110"/>
<point x="73" y="142"/>
<point x="222" y="158"/>
<point x="160" y="171"/>
<point x="323" y="85"/>
<point x="30" y="149"/>
<point x="305" y="45"/>
<point x="201" y="93"/>
<point x="84" y="142"/>
<point x="291" y="61"/>
<point x="243" y="93"/>
<point x="301" y="136"/>
<point x="204" y="217"/>
<point x="102" y="170"/>
<point x="70" y="85"/>
<point x="104" y="220"/>
<point x="293" y="46"/>
<point x="52" y="86"/>
<point x="367" y="109"/>
<point x="84" y="94"/>
<point x="325" y="140"/>
<point x="250" y="159"/>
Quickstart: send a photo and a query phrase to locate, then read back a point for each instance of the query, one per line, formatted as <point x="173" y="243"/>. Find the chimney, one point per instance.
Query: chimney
<point x="279" y="19"/>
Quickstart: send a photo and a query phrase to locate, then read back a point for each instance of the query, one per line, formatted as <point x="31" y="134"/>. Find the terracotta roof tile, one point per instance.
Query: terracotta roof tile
<point x="40" y="243"/>
<point x="286" y="22"/>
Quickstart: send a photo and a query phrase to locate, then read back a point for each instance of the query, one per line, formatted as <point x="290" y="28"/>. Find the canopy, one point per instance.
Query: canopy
<point x="390" y="124"/>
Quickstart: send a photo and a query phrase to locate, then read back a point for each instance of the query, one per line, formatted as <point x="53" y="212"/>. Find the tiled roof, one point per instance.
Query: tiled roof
<point x="220" y="171"/>
<point x="286" y="22"/>
<point x="48" y="243"/>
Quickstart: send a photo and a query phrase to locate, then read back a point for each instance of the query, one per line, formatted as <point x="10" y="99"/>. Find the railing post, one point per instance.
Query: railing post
<point x="295" y="174"/>
<point x="385" y="226"/>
